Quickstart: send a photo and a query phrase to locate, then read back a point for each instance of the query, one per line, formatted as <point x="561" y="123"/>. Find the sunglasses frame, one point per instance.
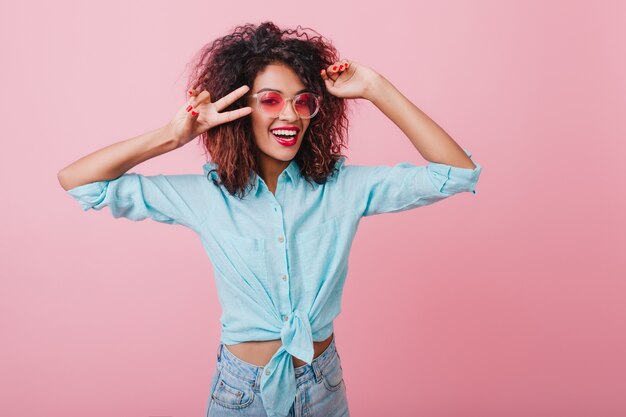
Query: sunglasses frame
<point x="286" y="99"/>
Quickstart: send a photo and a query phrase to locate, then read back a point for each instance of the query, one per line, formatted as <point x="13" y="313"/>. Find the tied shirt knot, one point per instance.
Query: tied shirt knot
<point x="297" y="340"/>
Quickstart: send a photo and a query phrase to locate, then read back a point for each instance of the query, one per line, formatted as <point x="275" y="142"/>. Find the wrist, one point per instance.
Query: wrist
<point x="169" y="137"/>
<point x="374" y="89"/>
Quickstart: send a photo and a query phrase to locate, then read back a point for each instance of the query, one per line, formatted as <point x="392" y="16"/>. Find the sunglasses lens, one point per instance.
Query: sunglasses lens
<point x="306" y="104"/>
<point x="272" y="103"/>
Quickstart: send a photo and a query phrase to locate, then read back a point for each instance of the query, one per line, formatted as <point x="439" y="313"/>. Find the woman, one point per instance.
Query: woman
<point x="281" y="209"/>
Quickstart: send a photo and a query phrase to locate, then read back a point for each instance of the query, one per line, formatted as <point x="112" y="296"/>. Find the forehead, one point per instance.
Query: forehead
<point x="280" y="77"/>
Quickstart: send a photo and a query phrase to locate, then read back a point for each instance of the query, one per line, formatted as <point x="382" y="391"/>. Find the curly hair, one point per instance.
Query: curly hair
<point x="234" y="60"/>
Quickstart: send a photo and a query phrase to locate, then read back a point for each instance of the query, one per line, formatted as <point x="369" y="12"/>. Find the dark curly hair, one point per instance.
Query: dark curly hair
<point x="234" y="60"/>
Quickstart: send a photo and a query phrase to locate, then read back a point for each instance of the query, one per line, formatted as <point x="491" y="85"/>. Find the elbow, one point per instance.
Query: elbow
<point x="66" y="180"/>
<point x="61" y="179"/>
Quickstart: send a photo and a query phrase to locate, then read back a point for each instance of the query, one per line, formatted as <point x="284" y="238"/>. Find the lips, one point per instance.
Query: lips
<point x="297" y="129"/>
<point x="286" y="142"/>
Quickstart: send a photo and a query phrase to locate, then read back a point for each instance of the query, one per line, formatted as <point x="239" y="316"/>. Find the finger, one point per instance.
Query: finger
<point x="197" y="100"/>
<point x="231" y="97"/>
<point x="229" y="116"/>
<point x="195" y="89"/>
<point x="201" y="98"/>
<point x="191" y="93"/>
<point x="333" y="68"/>
<point x="333" y="71"/>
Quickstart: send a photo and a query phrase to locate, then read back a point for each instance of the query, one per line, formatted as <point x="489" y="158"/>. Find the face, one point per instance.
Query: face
<point x="272" y="155"/>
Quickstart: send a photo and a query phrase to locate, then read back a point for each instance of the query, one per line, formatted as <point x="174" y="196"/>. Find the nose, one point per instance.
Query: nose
<point x="288" y="112"/>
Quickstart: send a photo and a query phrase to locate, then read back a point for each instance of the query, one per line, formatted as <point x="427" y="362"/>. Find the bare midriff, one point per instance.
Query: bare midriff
<point x="260" y="353"/>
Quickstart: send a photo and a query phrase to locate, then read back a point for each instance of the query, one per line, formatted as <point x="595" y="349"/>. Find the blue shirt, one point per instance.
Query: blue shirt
<point x="280" y="260"/>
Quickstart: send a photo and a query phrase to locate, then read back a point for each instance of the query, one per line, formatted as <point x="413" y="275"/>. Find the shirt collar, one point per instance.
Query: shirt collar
<point x="292" y="171"/>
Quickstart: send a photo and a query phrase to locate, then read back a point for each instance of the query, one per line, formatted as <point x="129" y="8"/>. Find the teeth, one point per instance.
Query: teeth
<point x="284" y="132"/>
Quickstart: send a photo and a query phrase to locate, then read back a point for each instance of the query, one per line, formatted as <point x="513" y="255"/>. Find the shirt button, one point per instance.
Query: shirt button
<point x="284" y="277"/>
<point x="281" y="239"/>
<point x="285" y="318"/>
<point x="284" y="174"/>
<point x="267" y="372"/>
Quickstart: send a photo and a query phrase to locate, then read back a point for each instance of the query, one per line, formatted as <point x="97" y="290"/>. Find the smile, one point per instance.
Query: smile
<point x="286" y="141"/>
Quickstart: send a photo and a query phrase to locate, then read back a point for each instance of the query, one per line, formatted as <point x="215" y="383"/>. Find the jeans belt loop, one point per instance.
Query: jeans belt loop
<point x="317" y="370"/>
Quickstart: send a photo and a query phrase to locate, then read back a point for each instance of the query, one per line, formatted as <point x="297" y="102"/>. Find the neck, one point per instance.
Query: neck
<point x="269" y="169"/>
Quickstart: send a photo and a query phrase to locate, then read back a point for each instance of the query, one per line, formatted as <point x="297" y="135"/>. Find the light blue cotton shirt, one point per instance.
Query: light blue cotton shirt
<point x="280" y="260"/>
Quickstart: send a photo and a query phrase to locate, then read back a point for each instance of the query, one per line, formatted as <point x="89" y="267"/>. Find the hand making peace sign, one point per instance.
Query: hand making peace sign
<point x="199" y="115"/>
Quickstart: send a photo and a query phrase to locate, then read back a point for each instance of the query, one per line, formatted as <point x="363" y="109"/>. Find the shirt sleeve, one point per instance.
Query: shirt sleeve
<point x="405" y="185"/>
<point x="172" y="199"/>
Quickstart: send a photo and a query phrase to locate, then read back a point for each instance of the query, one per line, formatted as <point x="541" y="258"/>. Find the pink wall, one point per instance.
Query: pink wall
<point x="509" y="302"/>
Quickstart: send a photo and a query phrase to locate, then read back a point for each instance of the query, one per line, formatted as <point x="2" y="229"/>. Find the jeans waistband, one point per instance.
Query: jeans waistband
<point x="252" y="373"/>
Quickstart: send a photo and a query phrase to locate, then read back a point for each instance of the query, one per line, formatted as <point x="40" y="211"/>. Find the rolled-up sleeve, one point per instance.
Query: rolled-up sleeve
<point x="172" y="199"/>
<point x="405" y="185"/>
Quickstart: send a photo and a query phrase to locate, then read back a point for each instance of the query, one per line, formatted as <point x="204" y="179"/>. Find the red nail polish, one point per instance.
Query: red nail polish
<point x="347" y="65"/>
<point x="340" y="67"/>
<point x="194" y="113"/>
<point x="190" y="92"/>
<point x="335" y="68"/>
<point x="321" y="72"/>
<point x="189" y="107"/>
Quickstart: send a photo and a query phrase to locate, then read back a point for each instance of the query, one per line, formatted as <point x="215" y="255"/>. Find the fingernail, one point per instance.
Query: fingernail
<point x="194" y="113"/>
<point x="189" y="107"/>
<point x="340" y="67"/>
<point x="335" y="68"/>
<point x="190" y="92"/>
<point x="347" y="65"/>
<point x="321" y="72"/>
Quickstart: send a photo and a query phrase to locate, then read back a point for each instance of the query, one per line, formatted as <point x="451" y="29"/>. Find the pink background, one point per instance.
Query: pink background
<point x="509" y="302"/>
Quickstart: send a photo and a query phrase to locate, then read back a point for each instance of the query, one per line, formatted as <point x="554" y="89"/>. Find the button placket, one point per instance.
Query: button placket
<point x="284" y="302"/>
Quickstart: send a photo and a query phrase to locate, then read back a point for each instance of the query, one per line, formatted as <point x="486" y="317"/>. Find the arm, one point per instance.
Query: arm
<point x="430" y="140"/>
<point x="100" y="180"/>
<point x="114" y="160"/>
<point x="405" y="185"/>
<point x="386" y="189"/>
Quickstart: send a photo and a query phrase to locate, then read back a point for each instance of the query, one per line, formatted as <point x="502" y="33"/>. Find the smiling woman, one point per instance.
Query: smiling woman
<point x="282" y="68"/>
<point x="277" y="127"/>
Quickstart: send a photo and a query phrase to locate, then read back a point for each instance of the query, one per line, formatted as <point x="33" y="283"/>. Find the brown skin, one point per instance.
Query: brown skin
<point x="260" y="353"/>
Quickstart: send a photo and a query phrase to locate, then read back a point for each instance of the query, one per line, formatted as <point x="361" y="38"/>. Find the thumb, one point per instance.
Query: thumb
<point x="327" y="81"/>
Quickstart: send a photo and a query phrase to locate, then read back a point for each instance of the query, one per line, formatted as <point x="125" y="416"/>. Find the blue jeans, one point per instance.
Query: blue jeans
<point x="320" y="388"/>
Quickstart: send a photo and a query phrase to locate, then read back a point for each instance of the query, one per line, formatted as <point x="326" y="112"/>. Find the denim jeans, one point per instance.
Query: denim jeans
<point x="236" y="391"/>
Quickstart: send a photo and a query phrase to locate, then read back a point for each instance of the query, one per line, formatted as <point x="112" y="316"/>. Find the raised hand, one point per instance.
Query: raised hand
<point x="199" y="115"/>
<point x="348" y="79"/>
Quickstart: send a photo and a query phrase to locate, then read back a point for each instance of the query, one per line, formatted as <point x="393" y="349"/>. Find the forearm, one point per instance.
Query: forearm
<point x="114" y="160"/>
<point x="430" y="140"/>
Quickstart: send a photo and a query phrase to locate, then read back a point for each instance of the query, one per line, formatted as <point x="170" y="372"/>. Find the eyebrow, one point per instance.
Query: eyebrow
<point x="273" y="89"/>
